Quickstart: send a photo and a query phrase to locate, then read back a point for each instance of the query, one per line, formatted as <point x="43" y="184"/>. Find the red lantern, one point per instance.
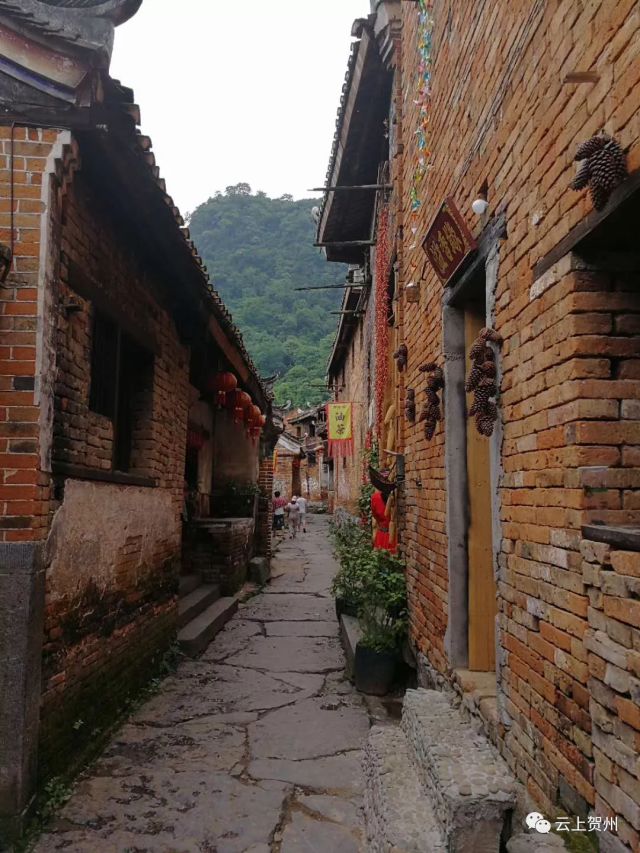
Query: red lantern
<point x="237" y="404"/>
<point x="221" y="384"/>
<point x="256" y="429"/>
<point x="252" y="417"/>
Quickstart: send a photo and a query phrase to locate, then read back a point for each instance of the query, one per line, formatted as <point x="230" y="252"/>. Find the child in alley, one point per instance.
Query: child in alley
<point x="293" y="511"/>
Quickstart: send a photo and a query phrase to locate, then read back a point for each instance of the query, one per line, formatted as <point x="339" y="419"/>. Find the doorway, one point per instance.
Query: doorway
<point x="482" y="603"/>
<point x="472" y="466"/>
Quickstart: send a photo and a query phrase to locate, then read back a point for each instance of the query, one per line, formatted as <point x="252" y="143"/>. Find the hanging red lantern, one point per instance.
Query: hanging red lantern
<point x="252" y="417"/>
<point x="195" y="439"/>
<point x="256" y="429"/>
<point x="221" y="384"/>
<point x="237" y="403"/>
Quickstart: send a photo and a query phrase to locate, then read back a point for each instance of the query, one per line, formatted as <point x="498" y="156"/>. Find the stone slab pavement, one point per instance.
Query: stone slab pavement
<point x="255" y="747"/>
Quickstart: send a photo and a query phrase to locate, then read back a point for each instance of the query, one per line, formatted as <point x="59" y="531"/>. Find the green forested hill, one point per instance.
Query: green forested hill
<point x="257" y="250"/>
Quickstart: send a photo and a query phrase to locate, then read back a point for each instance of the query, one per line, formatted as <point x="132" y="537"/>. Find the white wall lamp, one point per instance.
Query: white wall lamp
<point x="481" y="205"/>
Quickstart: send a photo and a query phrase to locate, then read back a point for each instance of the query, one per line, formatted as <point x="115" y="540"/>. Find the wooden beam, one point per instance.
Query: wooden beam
<point x="333" y="286"/>
<point x="231" y="352"/>
<point x="347" y="188"/>
<point x="341" y="244"/>
<point x="584" y="228"/>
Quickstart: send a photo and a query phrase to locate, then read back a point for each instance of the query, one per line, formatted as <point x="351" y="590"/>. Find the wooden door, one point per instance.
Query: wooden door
<point x="482" y="590"/>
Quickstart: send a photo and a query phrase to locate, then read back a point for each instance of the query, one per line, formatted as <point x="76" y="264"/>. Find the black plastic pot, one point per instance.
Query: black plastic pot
<point x="374" y="671"/>
<point x="345" y="607"/>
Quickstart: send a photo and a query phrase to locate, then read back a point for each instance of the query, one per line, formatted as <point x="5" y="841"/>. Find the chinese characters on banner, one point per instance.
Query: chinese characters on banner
<point x="448" y="241"/>
<point x="340" y="429"/>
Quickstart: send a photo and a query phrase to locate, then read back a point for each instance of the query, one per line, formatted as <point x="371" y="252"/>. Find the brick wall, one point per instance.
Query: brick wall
<point x="113" y="550"/>
<point x="232" y="543"/>
<point x="265" y="507"/>
<point x="612" y="644"/>
<point x="24" y="490"/>
<point x="355" y="379"/>
<point x="500" y="113"/>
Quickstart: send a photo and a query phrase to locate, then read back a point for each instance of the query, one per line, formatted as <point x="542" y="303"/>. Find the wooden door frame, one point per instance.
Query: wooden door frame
<point x="456" y="639"/>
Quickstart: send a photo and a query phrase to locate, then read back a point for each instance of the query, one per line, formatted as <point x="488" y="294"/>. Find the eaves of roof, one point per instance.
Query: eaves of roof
<point x="121" y="97"/>
<point x="347" y="325"/>
<point x="356" y="149"/>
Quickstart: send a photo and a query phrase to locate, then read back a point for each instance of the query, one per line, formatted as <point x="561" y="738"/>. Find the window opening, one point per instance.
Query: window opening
<point x="121" y="387"/>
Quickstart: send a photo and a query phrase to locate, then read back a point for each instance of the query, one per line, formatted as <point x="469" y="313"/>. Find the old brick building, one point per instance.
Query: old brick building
<point x="110" y="335"/>
<point x="520" y="547"/>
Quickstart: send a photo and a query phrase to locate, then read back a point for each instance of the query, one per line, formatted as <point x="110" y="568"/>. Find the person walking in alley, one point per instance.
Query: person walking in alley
<point x="294" y="517"/>
<point x="302" y="504"/>
<point x="278" y="512"/>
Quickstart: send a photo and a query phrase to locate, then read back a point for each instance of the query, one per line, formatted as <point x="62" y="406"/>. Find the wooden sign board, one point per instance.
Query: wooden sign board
<point x="448" y="241"/>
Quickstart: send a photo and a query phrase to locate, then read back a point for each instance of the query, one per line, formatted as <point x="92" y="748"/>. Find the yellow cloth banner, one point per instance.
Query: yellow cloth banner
<point x="340" y="429"/>
<point x="339" y="420"/>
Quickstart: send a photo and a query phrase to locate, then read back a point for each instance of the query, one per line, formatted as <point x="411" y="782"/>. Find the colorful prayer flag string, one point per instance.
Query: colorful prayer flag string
<point x="422" y="135"/>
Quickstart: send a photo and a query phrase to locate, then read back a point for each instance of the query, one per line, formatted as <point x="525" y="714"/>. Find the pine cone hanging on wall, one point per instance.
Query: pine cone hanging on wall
<point x="603" y="169"/>
<point x="481" y="381"/>
<point x="582" y="178"/>
<point x="477" y="350"/>
<point x="429" y="429"/>
<point x="432" y="409"/>
<point x="586" y="149"/>
<point x="410" y="405"/>
<point x="476" y="375"/>
<point x="401" y="356"/>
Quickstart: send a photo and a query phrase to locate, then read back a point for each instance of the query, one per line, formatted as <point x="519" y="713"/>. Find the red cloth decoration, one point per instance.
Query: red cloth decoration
<point x="379" y="512"/>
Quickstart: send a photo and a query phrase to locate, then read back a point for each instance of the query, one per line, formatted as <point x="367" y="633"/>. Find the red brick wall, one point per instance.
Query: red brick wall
<point x="113" y="551"/>
<point x="612" y="582"/>
<point x="501" y="114"/>
<point x="265" y="507"/>
<point x="23" y="491"/>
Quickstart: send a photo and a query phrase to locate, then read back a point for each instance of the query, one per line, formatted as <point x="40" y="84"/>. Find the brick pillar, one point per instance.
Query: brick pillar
<point x="265" y="512"/>
<point x="25" y="344"/>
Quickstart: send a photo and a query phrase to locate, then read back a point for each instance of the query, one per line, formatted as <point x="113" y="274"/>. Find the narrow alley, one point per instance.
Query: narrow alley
<point x="255" y="747"/>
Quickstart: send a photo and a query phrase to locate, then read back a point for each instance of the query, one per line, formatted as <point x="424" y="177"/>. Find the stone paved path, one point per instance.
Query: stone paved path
<point x="253" y="748"/>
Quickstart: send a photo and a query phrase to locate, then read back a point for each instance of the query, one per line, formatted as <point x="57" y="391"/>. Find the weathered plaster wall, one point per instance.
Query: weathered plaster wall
<point x="235" y="455"/>
<point x="94" y="528"/>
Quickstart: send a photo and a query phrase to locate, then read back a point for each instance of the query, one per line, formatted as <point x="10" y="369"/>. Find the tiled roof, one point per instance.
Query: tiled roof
<point x="124" y="98"/>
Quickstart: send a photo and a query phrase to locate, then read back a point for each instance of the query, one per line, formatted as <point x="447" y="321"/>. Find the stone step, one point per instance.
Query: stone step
<point x="470" y="787"/>
<point x="196" y="602"/>
<point x="196" y="636"/>
<point x="188" y="583"/>
<point x="398" y="815"/>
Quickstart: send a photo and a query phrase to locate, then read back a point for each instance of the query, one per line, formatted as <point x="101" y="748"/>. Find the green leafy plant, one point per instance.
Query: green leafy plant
<point x="370" y="456"/>
<point x="384" y="612"/>
<point x="236" y="499"/>
<point x="56" y="792"/>
<point x="372" y="580"/>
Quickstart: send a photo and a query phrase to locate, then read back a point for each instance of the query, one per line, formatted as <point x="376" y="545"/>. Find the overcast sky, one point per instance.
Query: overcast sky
<point x="238" y="90"/>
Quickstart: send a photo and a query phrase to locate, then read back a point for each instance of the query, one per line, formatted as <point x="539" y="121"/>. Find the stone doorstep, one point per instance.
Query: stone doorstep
<point x="398" y="814"/>
<point x="196" y="636"/>
<point x="482" y="685"/>
<point x="469" y="784"/>
<point x="196" y="602"/>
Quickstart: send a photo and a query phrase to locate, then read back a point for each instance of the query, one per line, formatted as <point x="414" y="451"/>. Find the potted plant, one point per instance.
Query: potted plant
<point x="236" y="499"/>
<point x="351" y="545"/>
<point x="383" y="621"/>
